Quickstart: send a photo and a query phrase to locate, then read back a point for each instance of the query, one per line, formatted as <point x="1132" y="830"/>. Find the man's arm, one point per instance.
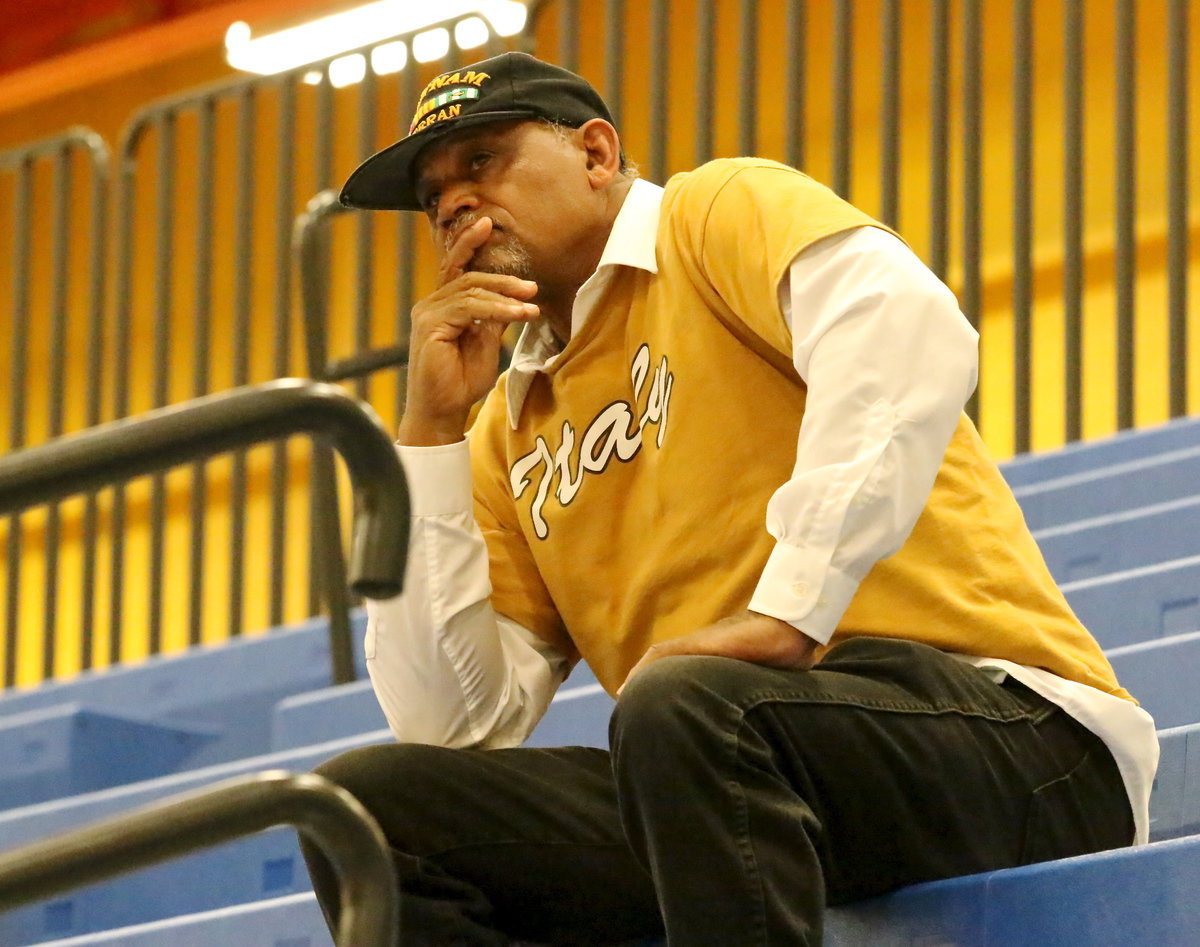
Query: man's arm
<point x="889" y="362"/>
<point x="446" y="669"/>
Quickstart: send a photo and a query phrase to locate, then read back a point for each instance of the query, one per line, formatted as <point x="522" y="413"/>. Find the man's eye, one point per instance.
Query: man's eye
<point x="431" y="201"/>
<point x="479" y="159"/>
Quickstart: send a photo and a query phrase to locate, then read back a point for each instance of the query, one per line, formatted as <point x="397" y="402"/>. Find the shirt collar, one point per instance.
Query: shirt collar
<point x="631" y="242"/>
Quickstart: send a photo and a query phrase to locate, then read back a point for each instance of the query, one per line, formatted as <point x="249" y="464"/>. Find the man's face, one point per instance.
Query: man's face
<point x="523" y="175"/>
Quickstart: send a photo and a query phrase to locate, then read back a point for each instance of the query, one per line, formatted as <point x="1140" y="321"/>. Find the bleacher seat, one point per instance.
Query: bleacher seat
<point x="1081" y="456"/>
<point x="1159" y="478"/>
<point x="291" y="921"/>
<point x="218" y="700"/>
<point x="68" y="749"/>
<point x="1175" y="801"/>
<point x="1164" y="675"/>
<point x="1124" y="898"/>
<point x="264" y="865"/>
<point x="1121" y="541"/>
<point x="1154" y="601"/>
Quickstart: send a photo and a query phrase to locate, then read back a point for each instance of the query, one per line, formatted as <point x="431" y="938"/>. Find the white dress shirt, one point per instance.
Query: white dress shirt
<point x="889" y="362"/>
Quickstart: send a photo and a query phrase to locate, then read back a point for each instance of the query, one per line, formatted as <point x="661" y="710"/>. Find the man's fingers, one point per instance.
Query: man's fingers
<point x="463" y="247"/>
<point x="472" y="282"/>
<point x="482" y="307"/>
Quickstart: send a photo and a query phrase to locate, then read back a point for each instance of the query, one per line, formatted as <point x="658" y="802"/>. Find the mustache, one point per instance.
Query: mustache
<point x="461" y="223"/>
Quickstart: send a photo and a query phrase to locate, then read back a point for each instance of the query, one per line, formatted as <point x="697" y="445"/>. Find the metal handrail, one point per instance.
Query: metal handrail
<point x="326" y="814"/>
<point x="242" y="417"/>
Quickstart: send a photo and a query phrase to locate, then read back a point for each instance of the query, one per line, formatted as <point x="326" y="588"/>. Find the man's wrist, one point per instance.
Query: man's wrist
<point x="428" y="432"/>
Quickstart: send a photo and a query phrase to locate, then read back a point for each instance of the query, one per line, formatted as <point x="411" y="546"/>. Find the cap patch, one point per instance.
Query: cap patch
<point x="432" y="99"/>
<point x="435" y="103"/>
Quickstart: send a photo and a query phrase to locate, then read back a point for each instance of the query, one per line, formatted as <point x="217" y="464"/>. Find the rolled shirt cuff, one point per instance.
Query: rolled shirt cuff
<point x="810" y="595"/>
<point x="439" y="478"/>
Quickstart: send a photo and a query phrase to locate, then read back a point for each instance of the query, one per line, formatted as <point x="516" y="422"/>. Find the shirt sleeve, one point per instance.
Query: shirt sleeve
<point x="446" y="668"/>
<point x="889" y="362"/>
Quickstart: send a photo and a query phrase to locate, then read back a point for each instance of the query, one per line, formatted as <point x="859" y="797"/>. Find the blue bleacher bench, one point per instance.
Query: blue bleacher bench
<point x="1106" y="490"/>
<point x="1125" y="446"/>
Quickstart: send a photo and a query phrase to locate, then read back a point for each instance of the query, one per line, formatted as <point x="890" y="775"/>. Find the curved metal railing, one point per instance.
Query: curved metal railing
<point x="232" y="419"/>
<point x="326" y="814"/>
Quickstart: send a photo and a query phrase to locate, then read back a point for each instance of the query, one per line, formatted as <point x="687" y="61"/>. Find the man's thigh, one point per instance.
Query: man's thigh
<point x="916" y="766"/>
<point x="535" y="830"/>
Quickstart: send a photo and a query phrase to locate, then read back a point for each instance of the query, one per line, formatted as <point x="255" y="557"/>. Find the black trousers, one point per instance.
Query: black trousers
<point x="736" y="802"/>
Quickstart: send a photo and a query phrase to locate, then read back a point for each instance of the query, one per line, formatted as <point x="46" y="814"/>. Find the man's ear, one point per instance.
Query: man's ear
<point x="602" y="148"/>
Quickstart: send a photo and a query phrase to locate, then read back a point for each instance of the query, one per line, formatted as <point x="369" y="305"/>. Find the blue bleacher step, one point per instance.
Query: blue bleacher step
<point x="1081" y="456"/>
<point x="229" y="689"/>
<point x="1124" y="898"/>
<point x="268" y="865"/>
<point x="1175" y="800"/>
<point x="1164" y="675"/>
<point x="260" y="866"/>
<point x="1131" y="897"/>
<point x="1105" y="490"/>
<point x="578" y="715"/>
<point x="1137" y="605"/>
<point x="71" y="749"/>
<point x="1120" y="541"/>
<point x="330" y="713"/>
<point x="291" y="921"/>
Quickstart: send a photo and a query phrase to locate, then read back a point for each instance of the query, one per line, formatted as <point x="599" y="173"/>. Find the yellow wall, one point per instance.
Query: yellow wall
<point x="104" y="88"/>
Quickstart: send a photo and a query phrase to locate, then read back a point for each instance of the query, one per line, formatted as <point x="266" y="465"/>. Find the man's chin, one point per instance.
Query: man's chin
<point x="502" y="264"/>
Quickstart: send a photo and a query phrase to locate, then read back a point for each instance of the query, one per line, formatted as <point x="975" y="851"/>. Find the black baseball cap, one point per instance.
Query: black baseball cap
<point x="505" y="87"/>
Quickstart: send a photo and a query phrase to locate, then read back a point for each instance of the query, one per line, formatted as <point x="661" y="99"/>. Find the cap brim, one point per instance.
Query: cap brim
<point x="385" y="180"/>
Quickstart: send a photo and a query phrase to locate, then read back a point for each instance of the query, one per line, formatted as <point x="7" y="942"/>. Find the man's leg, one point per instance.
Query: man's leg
<point x="493" y="845"/>
<point x="755" y="796"/>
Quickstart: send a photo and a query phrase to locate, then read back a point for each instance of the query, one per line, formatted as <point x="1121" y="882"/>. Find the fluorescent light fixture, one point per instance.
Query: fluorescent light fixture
<point x="347" y="70"/>
<point x="313" y="77"/>
<point x="431" y="45"/>
<point x="351" y="29"/>
<point x="470" y="33"/>
<point x="388" y="58"/>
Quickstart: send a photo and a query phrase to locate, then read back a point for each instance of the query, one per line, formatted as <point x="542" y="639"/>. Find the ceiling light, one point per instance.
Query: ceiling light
<point x="388" y="58"/>
<point x="362" y="26"/>
<point x="347" y="70"/>
<point x="431" y="45"/>
<point x="470" y="33"/>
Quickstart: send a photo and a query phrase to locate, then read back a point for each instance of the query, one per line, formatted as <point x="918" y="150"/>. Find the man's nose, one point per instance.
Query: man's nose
<point x="453" y="204"/>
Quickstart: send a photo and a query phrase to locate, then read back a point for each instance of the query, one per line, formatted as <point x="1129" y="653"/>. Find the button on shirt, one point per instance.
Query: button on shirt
<point x="449" y="670"/>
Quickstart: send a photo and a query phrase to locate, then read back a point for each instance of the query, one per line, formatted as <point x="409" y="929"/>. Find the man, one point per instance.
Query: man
<point x="729" y="468"/>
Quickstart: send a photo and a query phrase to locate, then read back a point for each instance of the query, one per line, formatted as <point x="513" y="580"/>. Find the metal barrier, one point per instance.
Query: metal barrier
<point x="208" y="185"/>
<point x="72" y="170"/>
<point x="280" y="136"/>
<point x="327" y="815"/>
<point x="310" y="249"/>
<point x="205" y="190"/>
<point x="826" y="86"/>
<point x="227" y="421"/>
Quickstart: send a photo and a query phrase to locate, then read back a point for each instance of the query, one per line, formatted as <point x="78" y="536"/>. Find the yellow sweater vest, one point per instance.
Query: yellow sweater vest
<point x="629" y="505"/>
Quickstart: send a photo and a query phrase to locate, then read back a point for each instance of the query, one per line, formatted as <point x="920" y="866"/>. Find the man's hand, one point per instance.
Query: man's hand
<point x="747" y="636"/>
<point x="454" y="348"/>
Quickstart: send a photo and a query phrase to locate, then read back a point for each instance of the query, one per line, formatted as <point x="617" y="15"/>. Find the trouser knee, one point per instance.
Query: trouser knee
<point x="673" y="703"/>
<point x="394" y="782"/>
